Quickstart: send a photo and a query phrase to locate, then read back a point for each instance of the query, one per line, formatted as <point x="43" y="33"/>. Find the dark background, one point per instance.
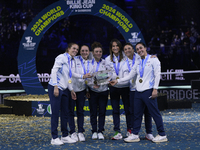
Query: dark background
<point x="170" y="29"/>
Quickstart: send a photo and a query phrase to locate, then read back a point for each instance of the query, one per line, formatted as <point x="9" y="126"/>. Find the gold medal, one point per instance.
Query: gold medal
<point x="132" y="81"/>
<point x="117" y="78"/>
<point x="140" y="80"/>
<point x="95" y="82"/>
<point x="86" y="82"/>
<point x="69" y="81"/>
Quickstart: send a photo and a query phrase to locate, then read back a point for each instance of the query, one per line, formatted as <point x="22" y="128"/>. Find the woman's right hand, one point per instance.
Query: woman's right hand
<point x="87" y="75"/>
<point x="113" y="82"/>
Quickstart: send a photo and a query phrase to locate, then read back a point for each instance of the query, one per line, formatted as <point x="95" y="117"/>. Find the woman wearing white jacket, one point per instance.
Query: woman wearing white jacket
<point x="59" y="88"/>
<point x="115" y="62"/>
<point x="98" y="94"/>
<point x="147" y="81"/>
<point x="134" y="59"/>
<point x="82" y="66"/>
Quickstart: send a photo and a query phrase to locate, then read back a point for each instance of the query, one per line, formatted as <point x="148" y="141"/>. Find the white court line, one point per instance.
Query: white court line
<point x="154" y="123"/>
<point x="182" y="121"/>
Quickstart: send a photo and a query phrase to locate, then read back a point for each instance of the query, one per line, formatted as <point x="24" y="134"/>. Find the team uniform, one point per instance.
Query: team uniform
<point x="148" y="121"/>
<point x="150" y="68"/>
<point x="98" y="101"/>
<point x="79" y="86"/>
<point x="119" y="90"/>
<point x="61" y="74"/>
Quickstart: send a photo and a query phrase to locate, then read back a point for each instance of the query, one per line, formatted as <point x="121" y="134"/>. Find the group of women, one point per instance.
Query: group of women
<point x="135" y="80"/>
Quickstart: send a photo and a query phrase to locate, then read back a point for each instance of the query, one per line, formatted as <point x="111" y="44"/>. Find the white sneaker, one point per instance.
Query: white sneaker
<point x="94" y="136"/>
<point x="132" y="138"/>
<point x="81" y="137"/>
<point x="74" y="136"/>
<point x="149" y="137"/>
<point x="100" y="136"/>
<point x="128" y="133"/>
<point x="67" y="139"/>
<point x="117" y="136"/>
<point x="159" y="138"/>
<point x="56" y="141"/>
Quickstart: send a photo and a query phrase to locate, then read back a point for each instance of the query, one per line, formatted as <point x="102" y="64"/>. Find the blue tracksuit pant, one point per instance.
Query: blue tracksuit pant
<point x="98" y="103"/>
<point x="80" y="103"/>
<point x="147" y="116"/>
<point x="115" y="94"/>
<point x="141" y="101"/>
<point x="59" y="107"/>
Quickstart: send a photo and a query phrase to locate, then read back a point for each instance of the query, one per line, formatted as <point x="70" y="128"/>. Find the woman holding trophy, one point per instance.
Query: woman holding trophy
<point x="115" y="62"/>
<point x="98" y="93"/>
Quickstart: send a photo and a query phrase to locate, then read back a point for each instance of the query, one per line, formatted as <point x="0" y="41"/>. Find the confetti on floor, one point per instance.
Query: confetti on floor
<point x="31" y="133"/>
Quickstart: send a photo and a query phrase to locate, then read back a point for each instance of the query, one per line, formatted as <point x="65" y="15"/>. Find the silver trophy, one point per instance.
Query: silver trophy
<point x="102" y="77"/>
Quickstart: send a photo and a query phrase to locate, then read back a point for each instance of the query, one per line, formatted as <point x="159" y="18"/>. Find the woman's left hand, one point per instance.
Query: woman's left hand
<point x="87" y="95"/>
<point x="73" y="94"/>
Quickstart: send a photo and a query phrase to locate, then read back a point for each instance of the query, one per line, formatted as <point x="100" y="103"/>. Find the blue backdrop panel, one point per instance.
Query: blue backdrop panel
<point x="55" y="12"/>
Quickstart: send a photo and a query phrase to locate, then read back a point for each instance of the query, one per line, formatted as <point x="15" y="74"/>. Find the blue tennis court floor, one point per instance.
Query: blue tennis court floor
<point x="182" y="127"/>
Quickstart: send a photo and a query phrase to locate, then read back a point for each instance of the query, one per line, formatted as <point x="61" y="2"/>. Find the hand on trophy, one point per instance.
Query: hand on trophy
<point x="96" y="86"/>
<point x="87" y="75"/>
<point x="101" y="77"/>
<point x="113" y="82"/>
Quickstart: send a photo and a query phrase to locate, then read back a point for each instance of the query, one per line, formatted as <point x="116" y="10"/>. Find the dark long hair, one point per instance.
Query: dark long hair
<point x="120" y="49"/>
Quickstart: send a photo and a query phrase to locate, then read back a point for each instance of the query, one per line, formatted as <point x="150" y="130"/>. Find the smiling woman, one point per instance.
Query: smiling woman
<point x="59" y="89"/>
<point x="115" y="63"/>
<point x="98" y="94"/>
<point x="84" y="51"/>
<point x="147" y="71"/>
<point x="132" y="59"/>
<point x="128" y="50"/>
<point x="141" y="50"/>
<point x="82" y="66"/>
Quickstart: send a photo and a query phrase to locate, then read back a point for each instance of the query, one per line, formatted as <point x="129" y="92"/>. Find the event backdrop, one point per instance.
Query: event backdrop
<point x="49" y="16"/>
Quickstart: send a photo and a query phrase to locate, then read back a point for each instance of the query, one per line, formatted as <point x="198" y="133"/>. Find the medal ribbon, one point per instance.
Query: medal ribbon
<point x="116" y="68"/>
<point x="133" y="62"/>
<point x="84" y="65"/>
<point x="142" y="65"/>
<point x="98" y="64"/>
<point x="70" y="71"/>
